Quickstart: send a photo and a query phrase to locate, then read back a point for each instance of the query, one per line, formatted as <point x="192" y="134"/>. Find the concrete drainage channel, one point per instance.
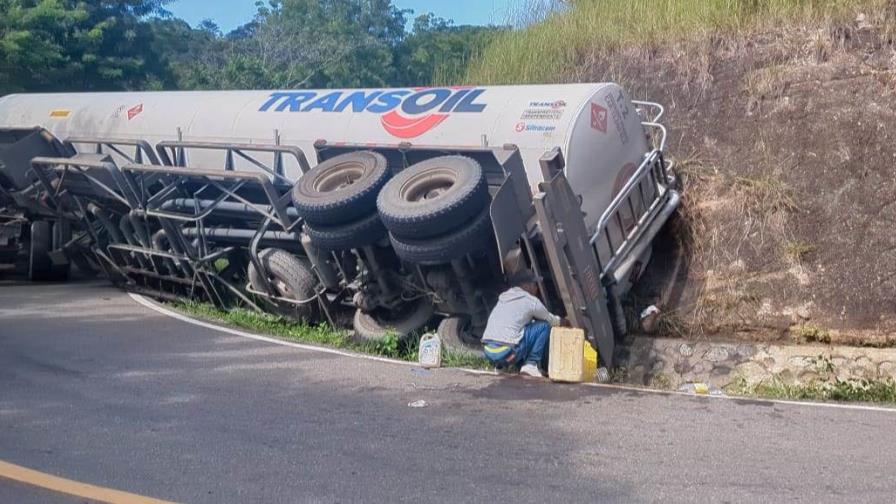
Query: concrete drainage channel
<point x="669" y="363"/>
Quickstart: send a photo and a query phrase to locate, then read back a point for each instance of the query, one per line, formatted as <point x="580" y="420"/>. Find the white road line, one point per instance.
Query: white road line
<point x="859" y="407"/>
<point x="169" y="313"/>
<point x="236" y="332"/>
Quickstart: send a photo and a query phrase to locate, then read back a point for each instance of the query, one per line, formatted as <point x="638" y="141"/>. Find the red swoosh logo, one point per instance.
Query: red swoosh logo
<point x="404" y="127"/>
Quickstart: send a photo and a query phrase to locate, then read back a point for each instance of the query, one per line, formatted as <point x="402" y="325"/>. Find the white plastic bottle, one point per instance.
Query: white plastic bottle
<point x="430" y="352"/>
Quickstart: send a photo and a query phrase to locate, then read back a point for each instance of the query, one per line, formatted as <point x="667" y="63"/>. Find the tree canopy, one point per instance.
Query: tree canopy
<point x="76" y="45"/>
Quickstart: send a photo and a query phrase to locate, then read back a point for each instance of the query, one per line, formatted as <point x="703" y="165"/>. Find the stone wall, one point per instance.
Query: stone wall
<point x="668" y="363"/>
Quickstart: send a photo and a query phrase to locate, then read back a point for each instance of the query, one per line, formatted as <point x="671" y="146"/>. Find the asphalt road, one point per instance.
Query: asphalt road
<point x="98" y="389"/>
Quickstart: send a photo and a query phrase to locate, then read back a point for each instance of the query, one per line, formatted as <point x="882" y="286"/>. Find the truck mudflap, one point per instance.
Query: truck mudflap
<point x="511" y="206"/>
<point x="572" y="260"/>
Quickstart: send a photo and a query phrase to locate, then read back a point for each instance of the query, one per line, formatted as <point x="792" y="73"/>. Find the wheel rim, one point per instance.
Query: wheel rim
<point x="339" y="177"/>
<point x="428" y="185"/>
<point x="282" y="289"/>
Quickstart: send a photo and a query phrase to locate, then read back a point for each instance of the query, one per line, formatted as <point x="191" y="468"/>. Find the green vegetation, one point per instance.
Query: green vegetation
<point x="661" y="382"/>
<point x="879" y="391"/>
<point x="577" y="35"/>
<point x="811" y="334"/>
<point x="64" y="44"/>
<point x="764" y="194"/>
<point x="271" y="325"/>
<point x="826" y="387"/>
<point x="798" y="250"/>
<point x="888" y="342"/>
<point x="73" y="45"/>
<point x="437" y="52"/>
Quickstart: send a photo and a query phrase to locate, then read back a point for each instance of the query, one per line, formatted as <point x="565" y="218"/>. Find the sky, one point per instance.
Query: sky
<point x="229" y="14"/>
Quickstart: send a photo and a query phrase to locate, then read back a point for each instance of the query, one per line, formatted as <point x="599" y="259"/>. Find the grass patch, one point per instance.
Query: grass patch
<point x="221" y="264"/>
<point x="765" y="194"/>
<point x="875" y="391"/>
<point x="768" y="82"/>
<point x="661" y="382"/>
<point x="827" y="387"/>
<point x="322" y="334"/>
<point x="811" y="334"/>
<point x="559" y="46"/>
<point x="888" y="342"/>
<point x="798" y="250"/>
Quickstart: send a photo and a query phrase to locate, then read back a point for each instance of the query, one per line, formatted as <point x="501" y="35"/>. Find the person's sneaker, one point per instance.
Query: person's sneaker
<point x="531" y="370"/>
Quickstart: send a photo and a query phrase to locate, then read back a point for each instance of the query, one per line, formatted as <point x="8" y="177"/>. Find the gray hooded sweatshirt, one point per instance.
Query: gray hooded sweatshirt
<point x="515" y="309"/>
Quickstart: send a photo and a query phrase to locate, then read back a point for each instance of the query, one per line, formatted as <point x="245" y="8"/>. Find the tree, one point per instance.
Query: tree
<point x="75" y="45"/>
<point x="438" y="51"/>
<point x="300" y="43"/>
<point x="194" y="57"/>
<point x="50" y="45"/>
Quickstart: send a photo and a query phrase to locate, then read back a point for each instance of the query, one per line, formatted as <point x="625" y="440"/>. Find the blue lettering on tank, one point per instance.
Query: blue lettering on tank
<point x="412" y="104"/>
<point x="388" y="101"/>
<point x="288" y="99"/>
<point x="379" y="101"/>
<point x="451" y="102"/>
<point x="466" y="104"/>
<point x="274" y="98"/>
<point x="359" y="101"/>
<point x="325" y="103"/>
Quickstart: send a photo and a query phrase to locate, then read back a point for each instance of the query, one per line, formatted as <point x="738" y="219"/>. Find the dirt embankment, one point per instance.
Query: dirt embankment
<point x="785" y="141"/>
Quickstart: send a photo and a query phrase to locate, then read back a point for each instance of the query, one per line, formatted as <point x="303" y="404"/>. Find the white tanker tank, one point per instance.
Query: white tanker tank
<point x="596" y="125"/>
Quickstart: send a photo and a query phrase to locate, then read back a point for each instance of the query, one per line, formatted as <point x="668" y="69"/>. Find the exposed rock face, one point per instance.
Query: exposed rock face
<point x="646" y="358"/>
<point x="784" y="141"/>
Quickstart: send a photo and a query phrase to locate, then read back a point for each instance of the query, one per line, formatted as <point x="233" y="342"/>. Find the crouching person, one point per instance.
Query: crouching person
<point x="519" y="327"/>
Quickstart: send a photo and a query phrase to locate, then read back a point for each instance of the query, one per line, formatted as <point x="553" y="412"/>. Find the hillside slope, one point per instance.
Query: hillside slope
<point x="791" y="186"/>
<point x="784" y="134"/>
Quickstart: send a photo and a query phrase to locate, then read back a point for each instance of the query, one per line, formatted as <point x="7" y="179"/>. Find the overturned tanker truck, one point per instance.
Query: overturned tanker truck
<point x="389" y="208"/>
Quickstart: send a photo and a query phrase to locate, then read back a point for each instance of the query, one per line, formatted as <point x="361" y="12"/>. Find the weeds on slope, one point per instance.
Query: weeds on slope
<point x="865" y="390"/>
<point x="825" y="386"/>
<point x="569" y="38"/>
<point x="391" y="346"/>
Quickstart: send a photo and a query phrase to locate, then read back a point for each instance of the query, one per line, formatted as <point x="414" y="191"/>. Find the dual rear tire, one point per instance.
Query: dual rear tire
<point x="433" y="212"/>
<point x="337" y="200"/>
<point x="437" y="211"/>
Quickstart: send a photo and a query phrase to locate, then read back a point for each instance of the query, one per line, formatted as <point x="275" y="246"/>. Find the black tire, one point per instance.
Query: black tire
<point x="342" y="189"/>
<point x="455" y="335"/>
<point x="363" y="232"/>
<point x="433" y="197"/>
<point x="291" y="277"/>
<point x="476" y="236"/>
<point x="376" y="325"/>
<point x="40" y="267"/>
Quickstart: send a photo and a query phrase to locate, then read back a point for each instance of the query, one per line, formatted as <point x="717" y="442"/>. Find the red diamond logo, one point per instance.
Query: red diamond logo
<point x="134" y="111"/>
<point x="598" y="118"/>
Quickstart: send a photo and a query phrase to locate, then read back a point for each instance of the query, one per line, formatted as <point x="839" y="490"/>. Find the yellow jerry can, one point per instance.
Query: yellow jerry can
<point x="571" y="358"/>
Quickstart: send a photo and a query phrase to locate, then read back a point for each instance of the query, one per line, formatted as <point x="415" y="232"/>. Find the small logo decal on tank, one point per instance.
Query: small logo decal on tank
<point x="598" y="118"/>
<point x="134" y="111"/>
